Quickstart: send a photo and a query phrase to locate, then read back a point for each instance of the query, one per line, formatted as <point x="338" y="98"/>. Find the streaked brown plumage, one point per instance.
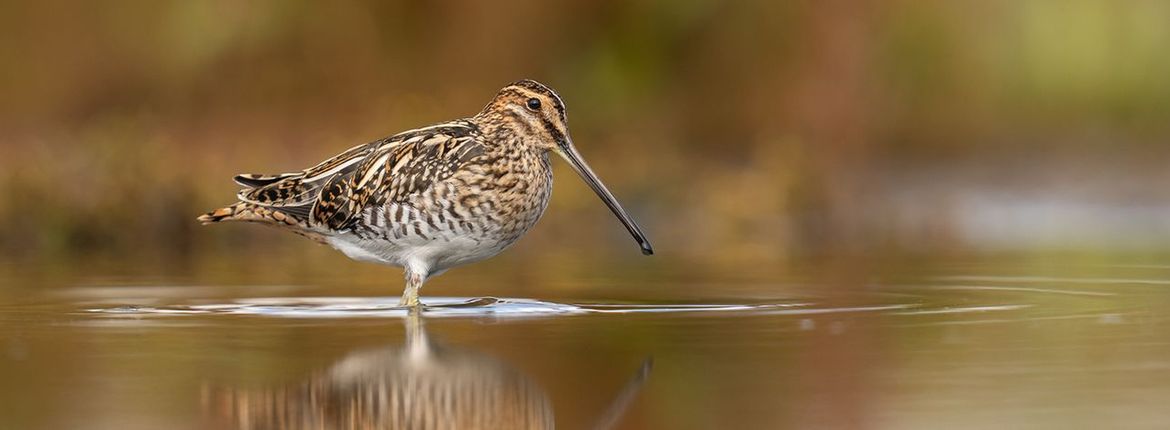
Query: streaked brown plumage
<point x="431" y="198"/>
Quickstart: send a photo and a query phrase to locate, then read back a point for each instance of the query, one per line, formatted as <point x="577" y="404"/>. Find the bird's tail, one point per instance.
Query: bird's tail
<point x="243" y="211"/>
<point x="250" y="212"/>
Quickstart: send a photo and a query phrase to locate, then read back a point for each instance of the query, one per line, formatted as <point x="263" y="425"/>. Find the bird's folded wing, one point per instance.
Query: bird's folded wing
<point x="331" y="194"/>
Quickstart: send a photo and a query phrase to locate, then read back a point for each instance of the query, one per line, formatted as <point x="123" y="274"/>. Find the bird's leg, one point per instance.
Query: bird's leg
<point x="414" y="281"/>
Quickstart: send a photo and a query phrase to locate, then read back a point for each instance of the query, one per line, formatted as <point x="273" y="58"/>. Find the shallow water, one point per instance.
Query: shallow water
<point x="938" y="343"/>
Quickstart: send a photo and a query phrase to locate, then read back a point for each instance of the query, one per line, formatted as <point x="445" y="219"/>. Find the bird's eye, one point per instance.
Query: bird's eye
<point x="534" y="104"/>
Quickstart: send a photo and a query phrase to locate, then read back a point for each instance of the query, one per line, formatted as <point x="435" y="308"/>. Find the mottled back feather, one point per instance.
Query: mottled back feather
<point x="331" y="194"/>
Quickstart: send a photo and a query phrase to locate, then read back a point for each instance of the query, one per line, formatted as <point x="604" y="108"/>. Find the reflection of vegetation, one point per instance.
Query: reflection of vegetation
<point x="750" y="126"/>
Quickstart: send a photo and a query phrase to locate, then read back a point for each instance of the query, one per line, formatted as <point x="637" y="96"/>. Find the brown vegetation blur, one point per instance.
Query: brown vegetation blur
<point x="737" y="129"/>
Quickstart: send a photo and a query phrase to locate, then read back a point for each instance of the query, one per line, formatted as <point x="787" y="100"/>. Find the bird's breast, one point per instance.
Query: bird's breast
<point x="476" y="213"/>
<point x="505" y="194"/>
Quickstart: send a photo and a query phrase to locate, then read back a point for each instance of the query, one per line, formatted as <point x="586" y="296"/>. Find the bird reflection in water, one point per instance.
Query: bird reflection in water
<point x="419" y="385"/>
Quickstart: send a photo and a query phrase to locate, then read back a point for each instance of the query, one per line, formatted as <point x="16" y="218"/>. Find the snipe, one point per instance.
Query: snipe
<point x="432" y="198"/>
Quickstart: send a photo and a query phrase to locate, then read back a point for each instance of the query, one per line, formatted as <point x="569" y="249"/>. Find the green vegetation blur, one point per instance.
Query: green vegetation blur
<point x="731" y="129"/>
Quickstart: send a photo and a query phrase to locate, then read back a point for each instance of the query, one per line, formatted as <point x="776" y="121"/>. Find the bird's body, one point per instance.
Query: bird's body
<point x="432" y="198"/>
<point x="485" y="204"/>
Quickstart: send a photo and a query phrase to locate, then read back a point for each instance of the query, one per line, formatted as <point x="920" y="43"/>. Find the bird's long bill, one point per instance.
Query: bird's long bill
<point x="570" y="154"/>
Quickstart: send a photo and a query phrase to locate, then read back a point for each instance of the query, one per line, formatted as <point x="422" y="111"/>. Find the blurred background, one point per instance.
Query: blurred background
<point x="745" y="131"/>
<point x="952" y="214"/>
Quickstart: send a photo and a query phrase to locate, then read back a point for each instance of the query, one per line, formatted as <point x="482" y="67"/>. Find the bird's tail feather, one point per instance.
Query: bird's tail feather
<point x="243" y="211"/>
<point x="251" y="212"/>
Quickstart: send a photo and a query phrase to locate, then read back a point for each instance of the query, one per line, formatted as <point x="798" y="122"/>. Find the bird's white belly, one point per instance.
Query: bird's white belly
<point x="437" y="254"/>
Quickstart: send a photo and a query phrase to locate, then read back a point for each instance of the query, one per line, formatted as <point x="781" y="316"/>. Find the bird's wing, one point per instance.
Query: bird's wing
<point x="292" y="189"/>
<point x="332" y="193"/>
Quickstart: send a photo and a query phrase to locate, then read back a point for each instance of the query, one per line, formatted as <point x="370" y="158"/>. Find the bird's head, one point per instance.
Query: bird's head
<point x="536" y="114"/>
<point x="533" y="111"/>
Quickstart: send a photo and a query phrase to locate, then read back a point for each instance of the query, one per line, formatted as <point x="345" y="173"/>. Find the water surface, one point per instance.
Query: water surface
<point x="936" y="343"/>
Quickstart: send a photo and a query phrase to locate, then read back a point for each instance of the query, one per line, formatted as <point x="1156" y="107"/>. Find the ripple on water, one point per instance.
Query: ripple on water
<point x="999" y="296"/>
<point x="341" y="307"/>
<point x="357" y="307"/>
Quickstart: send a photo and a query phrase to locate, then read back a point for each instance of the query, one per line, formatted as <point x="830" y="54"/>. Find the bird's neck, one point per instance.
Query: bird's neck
<point x="509" y="130"/>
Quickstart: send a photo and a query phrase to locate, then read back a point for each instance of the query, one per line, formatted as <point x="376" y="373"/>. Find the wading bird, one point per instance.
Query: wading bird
<point x="431" y="198"/>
